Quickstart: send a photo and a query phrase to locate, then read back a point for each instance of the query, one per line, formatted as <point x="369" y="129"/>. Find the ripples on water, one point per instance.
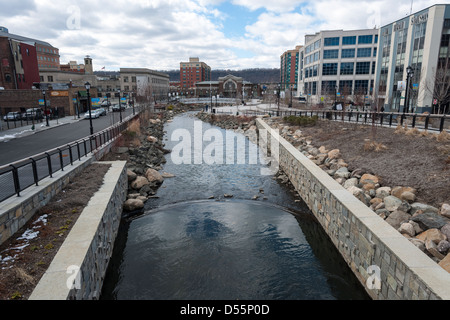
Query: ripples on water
<point x="187" y="247"/>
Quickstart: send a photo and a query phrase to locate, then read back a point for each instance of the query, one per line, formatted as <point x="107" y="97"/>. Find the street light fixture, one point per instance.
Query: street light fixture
<point x="409" y="75"/>
<point x="45" y="109"/>
<point x="87" y="85"/>
<point x="120" y="106"/>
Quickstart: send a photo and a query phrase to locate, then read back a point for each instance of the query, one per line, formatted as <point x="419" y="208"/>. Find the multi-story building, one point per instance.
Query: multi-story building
<point x="18" y="63"/>
<point x="47" y="55"/>
<point x="192" y="72"/>
<point x="338" y="64"/>
<point x="145" y="82"/>
<point x="419" y="43"/>
<point x="289" y="69"/>
<point x="67" y="75"/>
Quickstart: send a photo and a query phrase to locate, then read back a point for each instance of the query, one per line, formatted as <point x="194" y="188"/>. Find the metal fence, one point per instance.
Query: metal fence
<point x="431" y="122"/>
<point x="17" y="176"/>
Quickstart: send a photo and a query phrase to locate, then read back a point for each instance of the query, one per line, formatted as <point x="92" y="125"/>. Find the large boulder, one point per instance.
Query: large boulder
<point x="432" y="234"/>
<point x="139" y="182"/>
<point x="396" y="218"/>
<point x="445" y="210"/>
<point x="417" y="206"/>
<point x="383" y="192"/>
<point x="369" y="178"/>
<point x="153" y="176"/>
<point x="131" y="175"/>
<point x="133" y="204"/>
<point x="334" y="154"/>
<point x="342" y="173"/>
<point x="392" y="203"/>
<point x="430" y="220"/>
<point x="404" y="193"/>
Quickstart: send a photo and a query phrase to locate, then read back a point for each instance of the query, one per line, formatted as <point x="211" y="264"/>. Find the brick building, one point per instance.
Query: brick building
<point x="18" y="64"/>
<point x="192" y="72"/>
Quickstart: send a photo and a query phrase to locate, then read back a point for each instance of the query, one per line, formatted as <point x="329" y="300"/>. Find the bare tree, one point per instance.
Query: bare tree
<point x="439" y="85"/>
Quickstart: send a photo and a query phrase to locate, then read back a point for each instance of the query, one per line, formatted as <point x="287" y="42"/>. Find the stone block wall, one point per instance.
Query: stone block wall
<point x="78" y="269"/>
<point x="383" y="260"/>
<point x="16" y="211"/>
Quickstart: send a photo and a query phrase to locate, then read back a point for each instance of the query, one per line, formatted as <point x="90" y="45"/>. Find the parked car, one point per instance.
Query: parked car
<point x="102" y="111"/>
<point x="13" y="116"/>
<point x="117" y="108"/>
<point x="106" y="103"/>
<point x="33" y="113"/>
<point x="94" y="114"/>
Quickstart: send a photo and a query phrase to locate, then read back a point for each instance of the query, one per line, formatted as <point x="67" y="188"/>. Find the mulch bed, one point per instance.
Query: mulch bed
<point x="33" y="247"/>
<point x="408" y="159"/>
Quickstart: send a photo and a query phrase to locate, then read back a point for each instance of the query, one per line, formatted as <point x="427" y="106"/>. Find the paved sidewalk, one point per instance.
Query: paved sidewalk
<point x="14" y="133"/>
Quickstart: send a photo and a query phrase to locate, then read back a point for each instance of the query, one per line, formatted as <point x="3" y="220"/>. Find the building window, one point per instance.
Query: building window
<point x="347" y="68"/>
<point x="375" y="51"/>
<point x="331" y="54"/>
<point x="328" y="87"/>
<point x="361" y="86"/>
<point x="331" y="41"/>
<point x="348" y="53"/>
<point x="364" y="52"/>
<point x="329" y="69"/>
<point x="50" y="78"/>
<point x="345" y="87"/>
<point x="348" y="40"/>
<point x="367" y="39"/>
<point x="362" y="67"/>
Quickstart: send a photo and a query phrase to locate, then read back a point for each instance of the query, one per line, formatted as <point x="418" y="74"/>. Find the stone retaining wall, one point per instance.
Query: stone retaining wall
<point x="384" y="261"/>
<point x="16" y="211"/>
<point x="78" y="269"/>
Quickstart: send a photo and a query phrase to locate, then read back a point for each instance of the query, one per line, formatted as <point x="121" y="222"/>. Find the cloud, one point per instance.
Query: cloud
<point x="159" y="34"/>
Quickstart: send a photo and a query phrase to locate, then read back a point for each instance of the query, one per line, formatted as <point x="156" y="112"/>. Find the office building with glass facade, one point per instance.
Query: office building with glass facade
<point x="418" y="43"/>
<point x="338" y="65"/>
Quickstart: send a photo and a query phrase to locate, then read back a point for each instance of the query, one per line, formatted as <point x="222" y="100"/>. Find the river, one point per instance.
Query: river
<point x="224" y="231"/>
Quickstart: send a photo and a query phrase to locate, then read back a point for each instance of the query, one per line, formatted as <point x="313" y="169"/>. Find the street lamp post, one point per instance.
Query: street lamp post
<point x="87" y="85"/>
<point x="409" y="74"/>
<point x="278" y="99"/>
<point x="45" y="108"/>
<point x="120" y="107"/>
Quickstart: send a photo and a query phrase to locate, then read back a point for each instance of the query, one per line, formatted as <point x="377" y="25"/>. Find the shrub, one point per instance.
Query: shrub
<point x="301" y="120"/>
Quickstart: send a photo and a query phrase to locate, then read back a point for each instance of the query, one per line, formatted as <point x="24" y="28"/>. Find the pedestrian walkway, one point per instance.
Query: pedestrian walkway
<point x="23" y="131"/>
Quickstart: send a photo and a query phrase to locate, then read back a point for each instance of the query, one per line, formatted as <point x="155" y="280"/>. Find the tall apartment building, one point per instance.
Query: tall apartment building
<point x="420" y="41"/>
<point x="289" y="69"/>
<point x="192" y="72"/>
<point x="338" y="64"/>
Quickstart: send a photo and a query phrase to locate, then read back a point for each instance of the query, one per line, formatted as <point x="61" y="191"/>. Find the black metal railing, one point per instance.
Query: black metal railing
<point x="431" y="122"/>
<point x="17" y="176"/>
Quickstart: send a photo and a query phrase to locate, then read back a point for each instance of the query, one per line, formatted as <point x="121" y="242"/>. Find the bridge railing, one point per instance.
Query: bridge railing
<point x="18" y="176"/>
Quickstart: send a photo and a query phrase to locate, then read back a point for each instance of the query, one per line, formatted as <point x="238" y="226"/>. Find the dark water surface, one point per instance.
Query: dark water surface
<point x="189" y="247"/>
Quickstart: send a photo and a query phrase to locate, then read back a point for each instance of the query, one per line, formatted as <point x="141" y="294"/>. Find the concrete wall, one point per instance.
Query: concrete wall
<point x="78" y="269"/>
<point x="370" y="246"/>
<point x="16" y="211"/>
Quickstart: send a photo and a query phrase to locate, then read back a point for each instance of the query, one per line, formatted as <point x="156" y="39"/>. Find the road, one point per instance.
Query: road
<point x="24" y="147"/>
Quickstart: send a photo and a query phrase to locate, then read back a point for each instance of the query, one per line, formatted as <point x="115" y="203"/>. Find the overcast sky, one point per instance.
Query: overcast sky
<point x="159" y="34"/>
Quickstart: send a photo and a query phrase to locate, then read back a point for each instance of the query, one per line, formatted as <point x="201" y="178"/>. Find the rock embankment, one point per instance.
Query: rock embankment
<point x="426" y="226"/>
<point x="145" y="163"/>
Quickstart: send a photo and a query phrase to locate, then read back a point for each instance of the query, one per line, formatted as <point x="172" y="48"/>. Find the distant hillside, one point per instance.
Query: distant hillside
<point x="251" y="75"/>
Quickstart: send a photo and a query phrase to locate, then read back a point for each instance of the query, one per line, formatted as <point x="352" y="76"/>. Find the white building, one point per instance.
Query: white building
<point x="419" y="41"/>
<point x="145" y="82"/>
<point x="337" y="65"/>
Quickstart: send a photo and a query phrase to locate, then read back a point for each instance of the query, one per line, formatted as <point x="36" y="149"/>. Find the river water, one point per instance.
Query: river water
<point x="193" y="243"/>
